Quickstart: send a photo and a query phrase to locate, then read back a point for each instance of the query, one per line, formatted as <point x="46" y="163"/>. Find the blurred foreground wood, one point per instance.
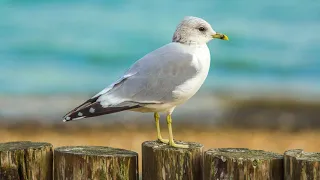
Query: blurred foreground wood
<point x="301" y="165"/>
<point x="160" y="161"/>
<point x="242" y="163"/>
<point x="25" y="160"/>
<point x="95" y="162"/>
<point x="30" y="161"/>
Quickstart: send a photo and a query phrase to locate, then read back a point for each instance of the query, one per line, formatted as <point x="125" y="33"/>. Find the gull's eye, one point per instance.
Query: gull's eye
<point x="202" y="29"/>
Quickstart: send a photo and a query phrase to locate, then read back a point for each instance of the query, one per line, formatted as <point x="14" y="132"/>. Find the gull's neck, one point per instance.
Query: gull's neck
<point x="180" y="39"/>
<point x="185" y="41"/>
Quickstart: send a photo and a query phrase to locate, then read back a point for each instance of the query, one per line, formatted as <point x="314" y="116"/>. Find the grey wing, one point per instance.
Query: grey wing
<point x="154" y="78"/>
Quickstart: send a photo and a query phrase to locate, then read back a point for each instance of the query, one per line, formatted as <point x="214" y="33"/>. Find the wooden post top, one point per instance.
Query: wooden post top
<point x="95" y="162"/>
<point x="96" y="151"/>
<point x="26" y="160"/>
<point x="299" y="154"/>
<point x="161" y="161"/>
<point x="18" y="145"/>
<point x="159" y="145"/>
<point x="243" y="153"/>
<point x="242" y="163"/>
<point x="301" y="165"/>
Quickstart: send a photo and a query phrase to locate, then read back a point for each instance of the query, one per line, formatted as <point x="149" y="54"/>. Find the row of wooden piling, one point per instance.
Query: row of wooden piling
<point x="39" y="161"/>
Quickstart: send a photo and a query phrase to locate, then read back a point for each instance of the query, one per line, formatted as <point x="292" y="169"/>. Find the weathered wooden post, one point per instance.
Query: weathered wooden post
<point x="26" y="160"/>
<point x="95" y="163"/>
<point x="301" y="165"/>
<point x="234" y="163"/>
<point x="160" y="161"/>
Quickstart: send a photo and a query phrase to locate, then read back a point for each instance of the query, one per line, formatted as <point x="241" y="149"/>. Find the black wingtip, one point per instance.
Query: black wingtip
<point x="73" y="116"/>
<point x="95" y="109"/>
<point x="65" y="119"/>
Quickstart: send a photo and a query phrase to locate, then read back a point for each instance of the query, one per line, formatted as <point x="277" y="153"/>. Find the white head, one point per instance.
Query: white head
<point x="195" y="30"/>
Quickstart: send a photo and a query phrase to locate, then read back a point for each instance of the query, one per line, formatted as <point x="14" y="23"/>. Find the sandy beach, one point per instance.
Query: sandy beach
<point x="131" y="136"/>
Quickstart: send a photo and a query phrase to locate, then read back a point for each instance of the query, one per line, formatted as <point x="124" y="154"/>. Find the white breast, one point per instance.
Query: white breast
<point x="201" y="60"/>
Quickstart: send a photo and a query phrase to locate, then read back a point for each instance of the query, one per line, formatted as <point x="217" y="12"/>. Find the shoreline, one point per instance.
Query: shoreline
<point x="203" y="109"/>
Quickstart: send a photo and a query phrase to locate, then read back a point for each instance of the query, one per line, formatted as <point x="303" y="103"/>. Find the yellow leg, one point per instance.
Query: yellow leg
<point x="171" y="142"/>
<point x="156" y="118"/>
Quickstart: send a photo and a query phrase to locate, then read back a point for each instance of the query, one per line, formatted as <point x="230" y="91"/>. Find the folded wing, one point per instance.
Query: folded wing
<point x="151" y="80"/>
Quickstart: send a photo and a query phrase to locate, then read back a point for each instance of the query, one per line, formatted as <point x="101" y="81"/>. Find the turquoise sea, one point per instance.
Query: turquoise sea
<point x="76" y="47"/>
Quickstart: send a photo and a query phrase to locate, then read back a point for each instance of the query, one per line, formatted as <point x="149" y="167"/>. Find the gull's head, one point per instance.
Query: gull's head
<point x="195" y="30"/>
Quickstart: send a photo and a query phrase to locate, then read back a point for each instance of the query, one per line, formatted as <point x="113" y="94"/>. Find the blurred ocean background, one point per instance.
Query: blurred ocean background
<point x="263" y="90"/>
<point x="55" y="54"/>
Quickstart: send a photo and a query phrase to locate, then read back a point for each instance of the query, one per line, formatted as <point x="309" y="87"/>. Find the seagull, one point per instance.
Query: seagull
<point x="159" y="81"/>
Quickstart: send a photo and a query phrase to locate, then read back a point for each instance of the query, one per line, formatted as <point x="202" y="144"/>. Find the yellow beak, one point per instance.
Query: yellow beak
<point x="220" y="36"/>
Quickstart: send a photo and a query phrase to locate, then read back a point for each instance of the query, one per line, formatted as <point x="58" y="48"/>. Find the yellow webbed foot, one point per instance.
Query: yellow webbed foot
<point x="165" y="141"/>
<point x="173" y="144"/>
